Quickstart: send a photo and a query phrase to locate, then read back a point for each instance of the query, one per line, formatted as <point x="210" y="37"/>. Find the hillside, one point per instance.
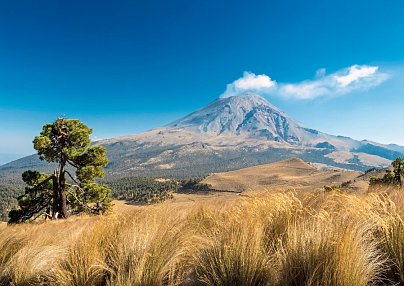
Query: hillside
<point x="5" y="158"/>
<point x="228" y="134"/>
<point x="283" y="175"/>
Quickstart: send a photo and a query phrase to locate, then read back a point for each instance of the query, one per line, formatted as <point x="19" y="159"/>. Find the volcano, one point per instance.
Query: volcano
<point x="227" y="134"/>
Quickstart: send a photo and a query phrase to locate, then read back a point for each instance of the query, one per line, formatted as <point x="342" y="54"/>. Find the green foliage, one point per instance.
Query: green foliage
<point x="36" y="198"/>
<point x="64" y="138"/>
<point x="146" y="190"/>
<point x="331" y="188"/>
<point x="392" y="177"/>
<point x="398" y="171"/>
<point x="194" y="185"/>
<point x="139" y="190"/>
<point x="8" y="201"/>
<point x="143" y="190"/>
<point x="387" y="179"/>
<point x="66" y="142"/>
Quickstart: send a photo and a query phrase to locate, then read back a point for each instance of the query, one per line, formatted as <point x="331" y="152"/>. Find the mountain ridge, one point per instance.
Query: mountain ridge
<point x="227" y="134"/>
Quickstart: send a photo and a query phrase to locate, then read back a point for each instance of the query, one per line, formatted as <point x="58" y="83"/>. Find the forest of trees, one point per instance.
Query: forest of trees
<point x="8" y="199"/>
<point x="143" y="190"/>
<point x="138" y="190"/>
<point x="148" y="190"/>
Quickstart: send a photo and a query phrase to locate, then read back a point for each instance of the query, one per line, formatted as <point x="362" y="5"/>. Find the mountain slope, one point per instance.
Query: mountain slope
<point x="5" y="158"/>
<point x="282" y="175"/>
<point x="228" y="134"/>
<point x="248" y="114"/>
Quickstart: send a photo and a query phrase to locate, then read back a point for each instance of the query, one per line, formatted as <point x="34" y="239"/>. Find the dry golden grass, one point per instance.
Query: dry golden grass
<point x="282" y="175"/>
<point x="262" y="238"/>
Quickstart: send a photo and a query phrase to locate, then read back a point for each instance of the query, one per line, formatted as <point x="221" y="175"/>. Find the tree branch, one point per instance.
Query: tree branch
<point x="73" y="164"/>
<point x="42" y="213"/>
<point x="43" y="182"/>
<point x="77" y="199"/>
<point x="74" y="180"/>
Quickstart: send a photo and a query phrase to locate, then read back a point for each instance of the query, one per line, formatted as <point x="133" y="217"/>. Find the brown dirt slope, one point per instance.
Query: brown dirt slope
<point x="287" y="174"/>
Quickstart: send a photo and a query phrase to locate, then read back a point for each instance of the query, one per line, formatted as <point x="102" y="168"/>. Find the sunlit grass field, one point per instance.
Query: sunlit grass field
<point x="260" y="238"/>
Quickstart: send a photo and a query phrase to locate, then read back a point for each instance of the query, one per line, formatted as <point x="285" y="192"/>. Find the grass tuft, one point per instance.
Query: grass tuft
<point x="261" y="238"/>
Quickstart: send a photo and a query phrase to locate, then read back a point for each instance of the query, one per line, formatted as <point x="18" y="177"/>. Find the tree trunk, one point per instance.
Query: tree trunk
<point x="55" y="205"/>
<point x="62" y="191"/>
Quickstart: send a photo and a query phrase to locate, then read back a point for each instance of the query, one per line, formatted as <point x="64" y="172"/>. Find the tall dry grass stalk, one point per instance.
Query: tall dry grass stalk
<point x="263" y="238"/>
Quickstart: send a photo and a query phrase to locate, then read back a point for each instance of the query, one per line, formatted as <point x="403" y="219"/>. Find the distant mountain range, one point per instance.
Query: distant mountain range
<point x="230" y="133"/>
<point x="6" y="158"/>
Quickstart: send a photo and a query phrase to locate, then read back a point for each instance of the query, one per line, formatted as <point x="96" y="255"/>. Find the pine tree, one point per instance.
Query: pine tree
<point x="65" y="142"/>
<point x="392" y="177"/>
<point x="398" y="166"/>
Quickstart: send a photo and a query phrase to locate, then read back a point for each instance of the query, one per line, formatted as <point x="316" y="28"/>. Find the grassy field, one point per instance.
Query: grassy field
<point x="258" y="238"/>
<point x="282" y="175"/>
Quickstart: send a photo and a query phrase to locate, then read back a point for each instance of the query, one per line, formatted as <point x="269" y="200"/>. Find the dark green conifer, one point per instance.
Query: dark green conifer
<point x="72" y="187"/>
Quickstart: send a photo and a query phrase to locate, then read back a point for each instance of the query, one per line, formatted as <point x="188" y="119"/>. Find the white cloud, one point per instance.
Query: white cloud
<point x="356" y="73"/>
<point x="356" y="77"/>
<point x="249" y="82"/>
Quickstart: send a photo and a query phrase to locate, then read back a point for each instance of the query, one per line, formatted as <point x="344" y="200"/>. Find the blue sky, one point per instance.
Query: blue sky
<point x="127" y="66"/>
